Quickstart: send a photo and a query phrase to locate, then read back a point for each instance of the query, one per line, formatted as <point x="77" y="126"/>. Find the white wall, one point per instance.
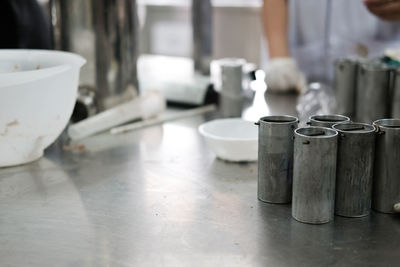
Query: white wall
<point x="236" y="28"/>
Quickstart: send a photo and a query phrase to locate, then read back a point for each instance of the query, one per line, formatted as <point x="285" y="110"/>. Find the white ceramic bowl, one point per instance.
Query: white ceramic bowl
<point x="231" y="139"/>
<point x="38" y="90"/>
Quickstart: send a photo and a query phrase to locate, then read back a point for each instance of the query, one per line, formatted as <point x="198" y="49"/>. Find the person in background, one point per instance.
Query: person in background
<point x="305" y="37"/>
<point x="24" y="24"/>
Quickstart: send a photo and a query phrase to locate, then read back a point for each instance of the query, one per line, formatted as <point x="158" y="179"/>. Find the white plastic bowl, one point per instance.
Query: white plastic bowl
<point x="38" y="90"/>
<point x="231" y="139"/>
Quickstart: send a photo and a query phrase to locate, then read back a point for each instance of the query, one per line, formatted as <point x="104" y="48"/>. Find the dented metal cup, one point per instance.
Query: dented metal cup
<point x="275" y="158"/>
<point x="314" y="174"/>
<point x="386" y="187"/>
<point x="354" y="172"/>
<point x="345" y="82"/>
<point x="373" y="95"/>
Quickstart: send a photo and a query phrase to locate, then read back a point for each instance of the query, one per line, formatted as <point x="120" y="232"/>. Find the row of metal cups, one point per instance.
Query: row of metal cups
<point x="367" y="89"/>
<point x="334" y="166"/>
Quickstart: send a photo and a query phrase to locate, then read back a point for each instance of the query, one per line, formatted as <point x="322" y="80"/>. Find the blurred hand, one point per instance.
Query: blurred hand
<point x="384" y="9"/>
<point x="283" y="75"/>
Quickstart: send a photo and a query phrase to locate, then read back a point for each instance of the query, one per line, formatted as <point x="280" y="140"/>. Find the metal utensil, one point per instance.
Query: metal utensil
<point x="386" y="188"/>
<point x="275" y="158"/>
<point x="345" y="82"/>
<point x="373" y="92"/>
<point x="355" y="164"/>
<point x="314" y="174"/>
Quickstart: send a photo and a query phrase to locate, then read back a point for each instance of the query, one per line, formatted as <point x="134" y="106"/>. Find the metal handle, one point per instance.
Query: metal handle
<point x="378" y="131"/>
<point x="396" y="207"/>
<point x="257" y="123"/>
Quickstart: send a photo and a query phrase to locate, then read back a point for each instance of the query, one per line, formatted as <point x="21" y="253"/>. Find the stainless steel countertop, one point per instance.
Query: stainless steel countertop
<point x="159" y="197"/>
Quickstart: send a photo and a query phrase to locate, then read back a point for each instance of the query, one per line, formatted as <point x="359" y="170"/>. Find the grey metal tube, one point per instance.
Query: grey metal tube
<point x="373" y="92"/>
<point x="345" y="82"/>
<point x="386" y="188"/>
<point x="275" y="158"/>
<point x="327" y="120"/>
<point x="314" y="174"/>
<point x="230" y="86"/>
<point x="354" y="172"/>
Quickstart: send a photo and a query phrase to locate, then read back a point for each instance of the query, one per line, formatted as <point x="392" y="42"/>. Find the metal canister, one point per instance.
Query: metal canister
<point x="314" y="174"/>
<point x="275" y="158"/>
<point x="396" y="95"/>
<point x="345" y="82"/>
<point x="373" y="92"/>
<point x="386" y="187"/>
<point x="327" y="120"/>
<point x="354" y="172"/>
<point x="229" y="83"/>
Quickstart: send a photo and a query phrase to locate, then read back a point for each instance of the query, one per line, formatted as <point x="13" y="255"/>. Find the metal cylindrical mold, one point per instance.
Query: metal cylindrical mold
<point x="373" y="92"/>
<point x="396" y="95"/>
<point x="345" y="82"/>
<point x="314" y="174"/>
<point x="386" y="187"/>
<point x="275" y="158"/>
<point x="232" y="76"/>
<point x="354" y="171"/>
<point x="327" y="120"/>
<point x="230" y="85"/>
<point x="231" y="106"/>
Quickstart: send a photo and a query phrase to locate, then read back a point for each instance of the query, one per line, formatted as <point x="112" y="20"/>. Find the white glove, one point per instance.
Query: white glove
<point x="283" y="75"/>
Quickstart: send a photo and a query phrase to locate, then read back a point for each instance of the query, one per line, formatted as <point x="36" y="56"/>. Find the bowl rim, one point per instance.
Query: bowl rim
<point x="202" y="131"/>
<point x="78" y="59"/>
<point x="26" y="76"/>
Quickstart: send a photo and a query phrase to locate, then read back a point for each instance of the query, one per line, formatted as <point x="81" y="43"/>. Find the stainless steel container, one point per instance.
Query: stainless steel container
<point x="314" y="174"/>
<point x="396" y="95"/>
<point x="105" y="33"/>
<point x="373" y="92"/>
<point x="275" y="158"/>
<point x="230" y="86"/>
<point x="345" y="82"/>
<point x="327" y="120"/>
<point x="386" y="187"/>
<point x="230" y="106"/>
<point x="354" y="172"/>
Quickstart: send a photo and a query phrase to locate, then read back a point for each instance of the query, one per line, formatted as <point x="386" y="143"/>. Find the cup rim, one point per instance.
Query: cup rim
<point x="279" y="119"/>
<point x="332" y="132"/>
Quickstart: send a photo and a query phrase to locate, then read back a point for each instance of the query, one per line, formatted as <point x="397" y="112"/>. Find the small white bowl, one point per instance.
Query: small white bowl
<point x="231" y="139"/>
